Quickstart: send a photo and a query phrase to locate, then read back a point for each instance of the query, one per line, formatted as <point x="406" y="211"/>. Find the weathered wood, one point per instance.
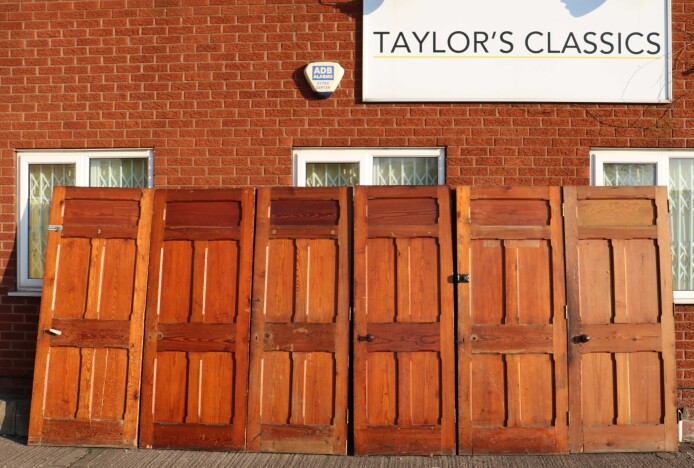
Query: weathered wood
<point x="421" y="440"/>
<point x="402" y="337"/>
<point x="100" y="231"/>
<point x="84" y="433"/>
<point x="519" y="441"/>
<point x="194" y="337"/>
<point x="91" y="333"/>
<point x="300" y="327"/>
<point x="404" y="375"/>
<point x="87" y="373"/>
<point x="301" y="337"/>
<point x="312" y="438"/>
<point x="396" y="231"/>
<point x="512" y="339"/>
<point x="511" y="329"/>
<point x="196" y="353"/>
<point x="194" y="436"/>
<point x="621" y="357"/>
<point x="201" y="234"/>
<point x="512" y="232"/>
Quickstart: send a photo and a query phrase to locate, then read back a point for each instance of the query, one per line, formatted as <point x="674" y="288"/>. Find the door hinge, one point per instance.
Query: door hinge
<point x="566" y="311"/>
<point x="461" y="278"/>
<point x="55" y="227"/>
<point x="568" y="417"/>
<point x="563" y="214"/>
<point x="347" y="416"/>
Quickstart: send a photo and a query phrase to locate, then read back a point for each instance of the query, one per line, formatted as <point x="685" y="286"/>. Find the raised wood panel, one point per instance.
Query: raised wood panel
<point x="198" y="312"/>
<point x="300" y="326"/>
<point x="403" y="341"/>
<point x="512" y="376"/>
<point x="87" y="371"/>
<point x="621" y="346"/>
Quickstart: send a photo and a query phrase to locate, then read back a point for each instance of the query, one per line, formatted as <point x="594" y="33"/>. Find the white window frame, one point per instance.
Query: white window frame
<point x="658" y="156"/>
<point x="80" y="158"/>
<point x="363" y="156"/>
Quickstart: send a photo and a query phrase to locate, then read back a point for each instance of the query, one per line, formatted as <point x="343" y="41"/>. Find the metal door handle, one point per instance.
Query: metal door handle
<point x="368" y="338"/>
<point x="581" y="339"/>
<point x="53" y="331"/>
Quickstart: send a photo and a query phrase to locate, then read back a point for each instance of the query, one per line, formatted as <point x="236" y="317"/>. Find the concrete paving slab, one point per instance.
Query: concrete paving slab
<point x="14" y="453"/>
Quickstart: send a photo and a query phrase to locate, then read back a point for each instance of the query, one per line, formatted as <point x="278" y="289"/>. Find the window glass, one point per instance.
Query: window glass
<point x="405" y="171"/>
<point x="114" y="172"/>
<point x="42" y="179"/>
<point x="619" y="174"/>
<point x="40" y="171"/>
<point x="682" y="222"/>
<point x="332" y="174"/>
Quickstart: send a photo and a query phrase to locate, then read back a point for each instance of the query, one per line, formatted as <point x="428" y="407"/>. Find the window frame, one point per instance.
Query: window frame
<point x="80" y="158"/>
<point x="660" y="157"/>
<point x="364" y="157"/>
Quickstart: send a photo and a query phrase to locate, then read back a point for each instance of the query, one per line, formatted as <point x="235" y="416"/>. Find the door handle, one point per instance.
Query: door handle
<point x="368" y="338"/>
<point x="53" y="331"/>
<point x="581" y="339"/>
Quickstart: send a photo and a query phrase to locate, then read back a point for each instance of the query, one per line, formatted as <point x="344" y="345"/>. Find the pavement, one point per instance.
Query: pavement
<point x="15" y="453"/>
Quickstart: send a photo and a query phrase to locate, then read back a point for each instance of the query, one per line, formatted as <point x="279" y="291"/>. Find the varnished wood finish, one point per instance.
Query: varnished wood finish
<point x="87" y="378"/>
<point x="512" y="377"/>
<point x="300" y="325"/>
<point x="404" y="369"/>
<point x="197" y="329"/>
<point x="619" y="280"/>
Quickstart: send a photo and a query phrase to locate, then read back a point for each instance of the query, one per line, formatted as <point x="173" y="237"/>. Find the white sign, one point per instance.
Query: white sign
<point x="324" y="77"/>
<point x="517" y="50"/>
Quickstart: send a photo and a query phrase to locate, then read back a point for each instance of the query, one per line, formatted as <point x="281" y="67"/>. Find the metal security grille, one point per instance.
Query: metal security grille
<point x="406" y="171"/>
<point x="332" y="174"/>
<point x="118" y="172"/>
<point x="42" y="179"/>
<point x="618" y="174"/>
<point x="682" y="222"/>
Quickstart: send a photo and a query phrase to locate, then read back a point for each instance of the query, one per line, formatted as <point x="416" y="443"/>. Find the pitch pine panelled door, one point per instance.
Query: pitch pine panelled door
<point x="512" y="376"/>
<point x="621" y="332"/>
<point x="300" y="324"/>
<point x="89" y="354"/>
<point x="404" y="363"/>
<point x="197" y="328"/>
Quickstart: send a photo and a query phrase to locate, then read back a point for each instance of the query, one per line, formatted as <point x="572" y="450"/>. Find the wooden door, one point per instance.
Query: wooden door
<point x="197" y="328"/>
<point x="300" y="324"/>
<point x="89" y="353"/>
<point x="512" y="376"/>
<point x="404" y="366"/>
<point x="621" y="332"/>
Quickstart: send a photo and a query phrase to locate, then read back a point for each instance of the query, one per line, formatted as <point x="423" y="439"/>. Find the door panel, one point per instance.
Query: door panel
<point x="196" y="352"/>
<point x="621" y="335"/>
<point x="512" y="395"/>
<point x="404" y="385"/>
<point x="89" y="353"/>
<point x="300" y="325"/>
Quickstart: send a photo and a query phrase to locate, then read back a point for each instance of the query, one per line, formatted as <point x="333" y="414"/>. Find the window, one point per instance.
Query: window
<point x="322" y="167"/>
<point x="674" y="169"/>
<point x="38" y="171"/>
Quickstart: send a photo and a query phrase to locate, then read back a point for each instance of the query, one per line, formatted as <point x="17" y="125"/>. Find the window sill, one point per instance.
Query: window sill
<point x="26" y="293"/>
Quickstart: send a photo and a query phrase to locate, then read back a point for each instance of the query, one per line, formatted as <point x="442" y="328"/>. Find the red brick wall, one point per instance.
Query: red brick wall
<point x="216" y="87"/>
